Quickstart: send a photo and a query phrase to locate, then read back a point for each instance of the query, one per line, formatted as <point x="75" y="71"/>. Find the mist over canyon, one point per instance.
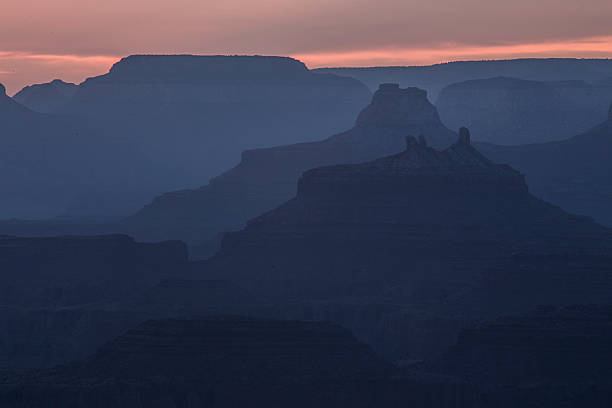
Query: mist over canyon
<point x="221" y="231"/>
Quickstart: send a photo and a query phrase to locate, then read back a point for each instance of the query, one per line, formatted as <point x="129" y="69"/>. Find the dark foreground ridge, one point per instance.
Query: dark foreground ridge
<point x="227" y="362"/>
<point x="550" y="357"/>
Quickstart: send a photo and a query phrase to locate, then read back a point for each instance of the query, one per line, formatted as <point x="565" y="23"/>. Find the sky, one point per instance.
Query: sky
<point x="41" y="40"/>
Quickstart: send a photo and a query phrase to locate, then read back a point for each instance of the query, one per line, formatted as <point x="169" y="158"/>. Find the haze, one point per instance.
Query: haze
<point x="42" y="40"/>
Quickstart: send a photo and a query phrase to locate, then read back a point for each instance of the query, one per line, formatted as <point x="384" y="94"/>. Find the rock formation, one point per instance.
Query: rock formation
<point x="267" y="177"/>
<point x="445" y="233"/>
<point x="48" y="97"/>
<point x="510" y="111"/>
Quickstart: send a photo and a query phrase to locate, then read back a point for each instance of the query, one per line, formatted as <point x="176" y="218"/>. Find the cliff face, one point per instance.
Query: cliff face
<point x="511" y="111"/>
<point x="48" y="97"/>
<point x="573" y="173"/>
<point x="266" y="177"/>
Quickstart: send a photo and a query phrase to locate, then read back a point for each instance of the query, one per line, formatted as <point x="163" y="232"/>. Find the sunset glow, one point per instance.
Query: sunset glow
<point x="600" y="47"/>
<point x="68" y="39"/>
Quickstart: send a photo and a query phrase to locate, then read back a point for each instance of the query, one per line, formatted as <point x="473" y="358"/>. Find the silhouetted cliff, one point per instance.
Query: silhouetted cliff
<point x="266" y="177"/>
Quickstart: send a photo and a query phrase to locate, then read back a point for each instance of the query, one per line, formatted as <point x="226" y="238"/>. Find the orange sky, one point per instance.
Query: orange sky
<point x="41" y="40"/>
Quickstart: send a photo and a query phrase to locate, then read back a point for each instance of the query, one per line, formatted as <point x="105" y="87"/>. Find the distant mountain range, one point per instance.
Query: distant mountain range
<point x="46" y="98"/>
<point x="158" y="123"/>
<point x="575" y="173"/>
<point x="512" y="111"/>
<point x="434" y="78"/>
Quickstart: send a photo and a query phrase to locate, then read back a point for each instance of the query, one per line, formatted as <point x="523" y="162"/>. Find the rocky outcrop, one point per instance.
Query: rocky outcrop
<point x="70" y="271"/>
<point x="573" y="173"/>
<point x="396" y="107"/>
<point x="512" y="111"/>
<point x="230" y="362"/>
<point x="266" y="177"/>
<point x="48" y="97"/>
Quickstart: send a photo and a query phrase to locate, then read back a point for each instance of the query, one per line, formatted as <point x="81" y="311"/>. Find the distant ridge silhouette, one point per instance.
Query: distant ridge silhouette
<point x="512" y="111"/>
<point x="266" y="177"/>
<point x="159" y="123"/>
<point x="573" y="173"/>
<point x="435" y="77"/>
<point x="46" y="98"/>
